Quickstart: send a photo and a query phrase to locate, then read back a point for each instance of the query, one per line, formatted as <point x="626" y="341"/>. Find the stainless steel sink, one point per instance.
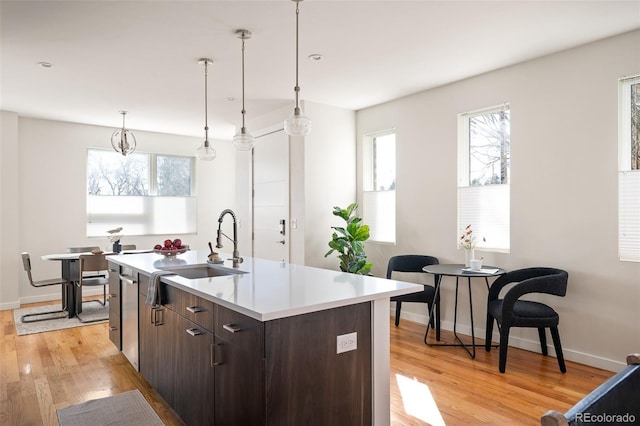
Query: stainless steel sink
<point x="202" y="271"/>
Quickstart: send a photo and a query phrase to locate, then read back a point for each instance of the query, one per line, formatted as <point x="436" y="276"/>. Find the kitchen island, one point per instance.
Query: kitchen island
<point x="264" y="343"/>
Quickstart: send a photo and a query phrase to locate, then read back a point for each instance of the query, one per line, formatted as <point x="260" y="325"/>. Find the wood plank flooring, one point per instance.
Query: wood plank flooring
<point x="41" y="373"/>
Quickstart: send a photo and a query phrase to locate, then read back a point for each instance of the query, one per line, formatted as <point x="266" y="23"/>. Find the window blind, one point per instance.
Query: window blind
<point x="379" y="212"/>
<point x="141" y="215"/>
<point x="486" y="208"/>
<point x="629" y="215"/>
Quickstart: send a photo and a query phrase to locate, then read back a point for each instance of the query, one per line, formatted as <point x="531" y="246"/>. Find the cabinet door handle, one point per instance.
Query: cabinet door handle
<point x="232" y="328"/>
<point x="111" y="295"/>
<point x="113" y="328"/>
<point x="194" y="309"/>
<point x="194" y="331"/>
<point x="216" y="359"/>
<point x="154" y="317"/>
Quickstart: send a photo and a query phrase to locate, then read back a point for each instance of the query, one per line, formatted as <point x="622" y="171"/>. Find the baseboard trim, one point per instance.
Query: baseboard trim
<point x="520" y="343"/>
<point x="52" y="297"/>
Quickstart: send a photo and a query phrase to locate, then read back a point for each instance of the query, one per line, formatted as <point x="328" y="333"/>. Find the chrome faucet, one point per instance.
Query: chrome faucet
<point x="237" y="260"/>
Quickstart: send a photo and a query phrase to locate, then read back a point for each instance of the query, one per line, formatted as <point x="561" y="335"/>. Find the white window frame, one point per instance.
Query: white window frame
<point x="143" y="215"/>
<point x="628" y="180"/>
<point x="378" y="207"/>
<point x="485" y="207"/>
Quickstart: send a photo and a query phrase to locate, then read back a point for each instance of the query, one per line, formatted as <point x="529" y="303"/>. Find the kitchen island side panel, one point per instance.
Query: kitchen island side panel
<point x="307" y="381"/>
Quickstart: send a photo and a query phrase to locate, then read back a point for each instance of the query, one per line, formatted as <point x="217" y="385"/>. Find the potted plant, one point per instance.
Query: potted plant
<point x="349" y="241"/>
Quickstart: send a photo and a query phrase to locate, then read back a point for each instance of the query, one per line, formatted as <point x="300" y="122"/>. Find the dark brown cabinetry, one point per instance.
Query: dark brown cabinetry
<point x="156" y="344"/>
<point x="115" y="321"/>
<point x="216" y="366"/>
<point x="239" y="381"/>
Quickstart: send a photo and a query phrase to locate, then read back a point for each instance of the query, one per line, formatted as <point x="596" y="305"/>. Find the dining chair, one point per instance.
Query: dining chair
<point x="26" y="261"/>
<point x="98" y="267"/>
<point x="511" y="311"/>
<point x="413" y="263"/>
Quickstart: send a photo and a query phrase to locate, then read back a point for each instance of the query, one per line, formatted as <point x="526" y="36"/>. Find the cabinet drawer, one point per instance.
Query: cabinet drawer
<point x="189" y="306"/>
<point x="114" y="280"/>
<point x="238" y="328"/>
<point x="115" y="329"/>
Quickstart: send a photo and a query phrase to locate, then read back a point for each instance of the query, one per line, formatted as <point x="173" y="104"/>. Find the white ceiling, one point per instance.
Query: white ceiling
<point x="141" y="56"/>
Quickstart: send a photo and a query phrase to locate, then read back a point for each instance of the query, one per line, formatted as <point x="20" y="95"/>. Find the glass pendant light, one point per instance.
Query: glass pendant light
<point x="297" y="124"/>
<point x="205" y="152"/>
<point x="122" y="140"/>
<point x="243" y="141"/>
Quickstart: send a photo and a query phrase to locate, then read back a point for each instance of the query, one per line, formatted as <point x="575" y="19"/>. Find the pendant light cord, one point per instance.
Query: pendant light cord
<point x="206" y="113"/>
<point x="243" y="110"/>
<point x="297" y="88"/>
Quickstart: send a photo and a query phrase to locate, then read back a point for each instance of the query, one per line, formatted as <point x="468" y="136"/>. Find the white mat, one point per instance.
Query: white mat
<point x="128" y="408"/>
<point x="90" y="312"/>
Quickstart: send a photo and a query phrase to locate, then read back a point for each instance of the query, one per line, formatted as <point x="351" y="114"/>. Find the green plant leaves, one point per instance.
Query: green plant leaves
<point x="349" y="241"/>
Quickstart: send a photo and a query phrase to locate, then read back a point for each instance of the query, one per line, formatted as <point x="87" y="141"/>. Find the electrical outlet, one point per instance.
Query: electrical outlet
<point x="347" y="342"/>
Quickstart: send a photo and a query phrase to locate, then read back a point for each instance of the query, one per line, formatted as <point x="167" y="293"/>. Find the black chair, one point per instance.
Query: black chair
<point x="62" y="313"/>
<point x="617" y="397"/>
<point x="414" y="263"/>
<point x="513" y="312"/>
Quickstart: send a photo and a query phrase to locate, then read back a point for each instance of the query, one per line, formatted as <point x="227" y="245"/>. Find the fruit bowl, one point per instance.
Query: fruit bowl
<point x="170" y="252"/>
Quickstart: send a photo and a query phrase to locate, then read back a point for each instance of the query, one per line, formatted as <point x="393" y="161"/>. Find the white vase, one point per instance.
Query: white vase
<point x="468" y="255"/>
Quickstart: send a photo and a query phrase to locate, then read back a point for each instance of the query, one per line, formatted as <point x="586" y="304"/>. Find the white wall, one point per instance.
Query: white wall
<point x="564" y="140"/>
<point x="49" y="174"/>
<point x="9" y="216"/>
<point x="329" y="178"/>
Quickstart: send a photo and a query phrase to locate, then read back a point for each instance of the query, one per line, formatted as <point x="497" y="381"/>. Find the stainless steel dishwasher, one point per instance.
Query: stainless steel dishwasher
<point x="129" y="285"/>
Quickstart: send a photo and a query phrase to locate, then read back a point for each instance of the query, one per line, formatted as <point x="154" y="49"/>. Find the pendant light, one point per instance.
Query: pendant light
<point x="122" y="140"/>
<point x="205" y="152"/>
<point x="297" y="124"/>
<point x="243" y="141"/>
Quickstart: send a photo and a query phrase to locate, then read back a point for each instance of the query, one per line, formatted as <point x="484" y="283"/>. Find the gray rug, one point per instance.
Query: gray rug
<point x="128" y="408"/>
<point x="94" y="312"/>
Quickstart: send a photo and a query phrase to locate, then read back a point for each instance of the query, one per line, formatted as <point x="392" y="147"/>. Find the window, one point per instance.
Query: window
<point x="146" y="194"/>
<point x="379" y="185"/>
<point x="629" y="169"/>
<point x="484" y="165"/>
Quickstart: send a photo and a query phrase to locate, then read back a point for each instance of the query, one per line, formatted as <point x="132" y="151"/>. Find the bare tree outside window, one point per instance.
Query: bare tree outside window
<point x="489" y="148"/>
<point x="174" y="176"/>
<point x="109" y="173"/>
<point x="635" y="126"/>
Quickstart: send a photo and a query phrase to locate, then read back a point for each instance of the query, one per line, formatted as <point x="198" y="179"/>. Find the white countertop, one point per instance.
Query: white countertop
<point x="269" y="290"/>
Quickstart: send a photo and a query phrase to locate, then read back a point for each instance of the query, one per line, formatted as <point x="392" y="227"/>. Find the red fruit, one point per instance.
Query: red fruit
<point x="177" y="242"/>
<point x="167" y="243"/>
<point x="157" y="247"/>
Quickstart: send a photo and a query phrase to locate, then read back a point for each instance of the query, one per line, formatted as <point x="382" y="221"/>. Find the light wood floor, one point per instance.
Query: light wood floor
<point x="41" y="373"/>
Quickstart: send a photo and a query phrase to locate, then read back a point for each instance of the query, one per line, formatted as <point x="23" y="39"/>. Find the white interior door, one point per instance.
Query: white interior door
<point x="271" y="197"/>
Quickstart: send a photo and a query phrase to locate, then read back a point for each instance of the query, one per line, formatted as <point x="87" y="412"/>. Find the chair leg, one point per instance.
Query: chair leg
<point x="437" y="314"/>
<point x="398" y="308"/>
<point x="504" y="344"/>
<point x="25" y="318"/>
<point x="489" y="333"/>
<point x="558" y="347"/>
<point x="543" y="340"/>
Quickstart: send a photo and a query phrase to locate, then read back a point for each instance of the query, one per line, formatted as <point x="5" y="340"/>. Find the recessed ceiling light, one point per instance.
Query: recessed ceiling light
<point x="45" y="64"/>
<point x="316" y="57"/>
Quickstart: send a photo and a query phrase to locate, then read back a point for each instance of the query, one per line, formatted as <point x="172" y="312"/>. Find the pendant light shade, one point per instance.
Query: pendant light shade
<point x="297" y="124"/>
<point x="243" y="140"/>
<point x="122" y="140"/>
<point x="205" y="152"/>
